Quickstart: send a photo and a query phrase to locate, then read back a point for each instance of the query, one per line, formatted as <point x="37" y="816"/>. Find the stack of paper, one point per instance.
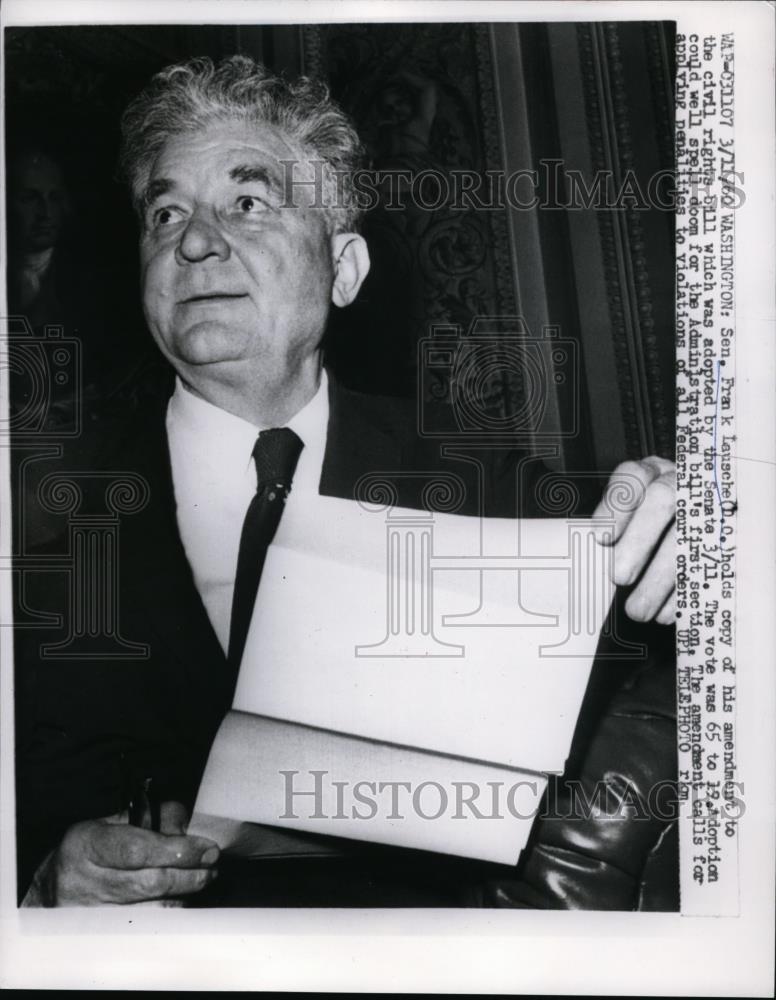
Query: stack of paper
<point x="408" y="679"/>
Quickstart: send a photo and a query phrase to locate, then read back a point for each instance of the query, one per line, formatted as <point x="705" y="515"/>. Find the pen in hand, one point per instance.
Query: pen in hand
<point x="144" y="807"/>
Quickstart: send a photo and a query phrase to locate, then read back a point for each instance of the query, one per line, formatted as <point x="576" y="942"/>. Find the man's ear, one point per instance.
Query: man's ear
<point x="351" y="265"/>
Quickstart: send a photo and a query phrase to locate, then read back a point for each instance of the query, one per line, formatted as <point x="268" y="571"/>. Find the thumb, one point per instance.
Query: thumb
<point x="174" y="818"/>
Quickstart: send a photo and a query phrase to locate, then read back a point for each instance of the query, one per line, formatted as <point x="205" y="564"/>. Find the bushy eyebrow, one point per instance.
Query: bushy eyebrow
<point x="243" y="173"/>
<point x="246" y="173"/>
<point x="155" y="190"/>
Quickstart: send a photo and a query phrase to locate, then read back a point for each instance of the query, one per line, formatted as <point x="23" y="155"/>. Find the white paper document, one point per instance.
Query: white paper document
<point x="402" y="645"/>
<point x="397" y="628"/>
<point x="299" y="780"/>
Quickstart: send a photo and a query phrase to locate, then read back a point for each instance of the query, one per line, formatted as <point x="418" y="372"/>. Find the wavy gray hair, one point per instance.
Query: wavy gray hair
<point x="190" y="96"/>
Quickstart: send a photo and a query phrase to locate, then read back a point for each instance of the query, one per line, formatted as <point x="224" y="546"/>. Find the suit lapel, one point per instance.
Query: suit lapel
<point x="358" y="442"/>
<point x="159" y="581"/>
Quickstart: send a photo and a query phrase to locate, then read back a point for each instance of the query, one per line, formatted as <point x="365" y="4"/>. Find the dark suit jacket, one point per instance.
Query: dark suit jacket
<point x="86" y="728"/>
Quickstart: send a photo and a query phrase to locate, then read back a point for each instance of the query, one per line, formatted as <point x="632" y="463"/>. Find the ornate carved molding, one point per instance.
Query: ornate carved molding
<point x="645" y="410"/>
<point x="661" y="69"/>
<point x="423" y="99"/>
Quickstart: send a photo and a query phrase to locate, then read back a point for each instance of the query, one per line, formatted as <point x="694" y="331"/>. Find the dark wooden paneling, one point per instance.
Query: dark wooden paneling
<point x="588" y="97"/>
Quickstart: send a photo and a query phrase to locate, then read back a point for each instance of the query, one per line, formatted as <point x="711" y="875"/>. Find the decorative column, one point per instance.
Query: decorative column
<point x="94" y="502"/>
<point x="589" y="581"/>
<point x="409" y="549"/>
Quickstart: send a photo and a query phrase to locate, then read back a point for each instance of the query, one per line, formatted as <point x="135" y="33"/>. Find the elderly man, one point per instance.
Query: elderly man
<point x="239" y="272"/>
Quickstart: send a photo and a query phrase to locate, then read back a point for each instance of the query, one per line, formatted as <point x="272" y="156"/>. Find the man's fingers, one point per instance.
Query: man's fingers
<point x="173" y="817"/>
<point x="159" y="883"/>
<point x="102" y="861"/>
<point x="655" y="587"/>
<point x="667" y="615"/>
<point x="173" y="904"/>
<point x="153" y="883"/>
<point x="131" y="848"/>
<point x="646" y="527"/>
<point x="640" y="500"/>
<point x="627" y="491"/>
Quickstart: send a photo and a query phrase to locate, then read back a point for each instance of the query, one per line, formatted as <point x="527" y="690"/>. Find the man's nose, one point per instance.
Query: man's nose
<point x="201" y="238"/>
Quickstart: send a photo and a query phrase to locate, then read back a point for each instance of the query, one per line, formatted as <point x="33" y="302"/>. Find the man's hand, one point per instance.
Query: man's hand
<point x="107" y="861"/>
<point x="641" y="499"/>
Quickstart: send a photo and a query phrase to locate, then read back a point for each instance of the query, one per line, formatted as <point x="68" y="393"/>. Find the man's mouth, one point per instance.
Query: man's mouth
<point x="213" y="297"/>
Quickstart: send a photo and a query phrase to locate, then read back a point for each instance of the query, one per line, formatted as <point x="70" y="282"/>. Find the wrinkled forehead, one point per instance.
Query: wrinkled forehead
<point x="231" y="151"/>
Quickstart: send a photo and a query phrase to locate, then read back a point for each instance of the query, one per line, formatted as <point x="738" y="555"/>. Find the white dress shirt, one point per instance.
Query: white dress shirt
<point x="214" y="479"/>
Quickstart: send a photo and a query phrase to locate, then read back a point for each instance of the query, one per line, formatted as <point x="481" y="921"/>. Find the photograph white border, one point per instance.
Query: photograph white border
<point x="478" y="951"/>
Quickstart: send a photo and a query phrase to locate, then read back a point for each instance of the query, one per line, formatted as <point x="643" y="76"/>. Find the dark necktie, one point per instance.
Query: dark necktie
<point x="275" y="454"/>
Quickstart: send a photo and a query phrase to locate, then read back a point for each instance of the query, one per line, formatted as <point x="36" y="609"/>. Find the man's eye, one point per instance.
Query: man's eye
<point x="249" y="204"/>
<point x="166" y="216"/>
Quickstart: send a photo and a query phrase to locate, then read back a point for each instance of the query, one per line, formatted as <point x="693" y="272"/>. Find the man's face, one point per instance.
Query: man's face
<point x="37" y="203"/>
<point x="233" y="284"/>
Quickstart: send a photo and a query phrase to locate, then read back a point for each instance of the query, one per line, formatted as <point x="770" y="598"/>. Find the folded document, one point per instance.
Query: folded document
<point x="409" y="678"/>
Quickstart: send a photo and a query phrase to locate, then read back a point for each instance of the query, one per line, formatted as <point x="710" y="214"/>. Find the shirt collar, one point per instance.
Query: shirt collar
<point x="231" y="437"/>
<point x="310" y="422"/>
